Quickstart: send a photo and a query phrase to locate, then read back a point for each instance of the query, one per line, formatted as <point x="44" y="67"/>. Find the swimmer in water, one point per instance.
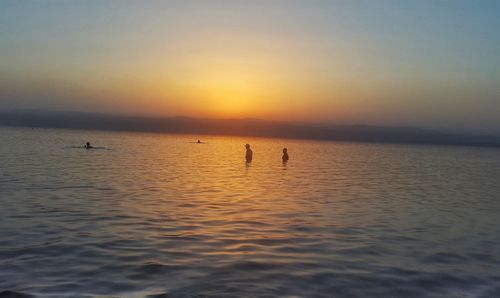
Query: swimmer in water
<point x="249" y="153"/>
<point x="88" y="146"/>
<point x="199" y="142"/>
<point x="285" y="155"/>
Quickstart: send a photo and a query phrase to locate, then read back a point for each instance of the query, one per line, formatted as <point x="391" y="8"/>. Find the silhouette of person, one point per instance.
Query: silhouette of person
<point x="199" y="142"/>
<point x="285" y="155"/>
<point x="249" y="153"/>
<point x="88" y="146"/>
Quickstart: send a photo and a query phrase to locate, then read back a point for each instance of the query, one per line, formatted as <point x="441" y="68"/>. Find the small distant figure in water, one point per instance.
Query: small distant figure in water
<point x="88" y="146"/>
<point x="249" y="153"/>
<point x="199" y="142"/>
<point x="285" y="155"/>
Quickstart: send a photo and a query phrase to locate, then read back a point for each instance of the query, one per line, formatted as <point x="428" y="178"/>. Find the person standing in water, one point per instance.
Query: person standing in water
<point x="249" y="153"/>
<point x="285" y="155"/>
<point x="88" y="146"/>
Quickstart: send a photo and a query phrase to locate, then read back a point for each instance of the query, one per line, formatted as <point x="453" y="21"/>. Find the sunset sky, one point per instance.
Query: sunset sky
<point x="422" y="63"/>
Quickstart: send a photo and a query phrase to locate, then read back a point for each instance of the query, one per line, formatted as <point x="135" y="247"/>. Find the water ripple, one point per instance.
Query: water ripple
<point x="158" y="216"/>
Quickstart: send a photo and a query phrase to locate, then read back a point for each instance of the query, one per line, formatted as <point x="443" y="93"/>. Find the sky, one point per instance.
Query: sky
<point x="431" y="64"/>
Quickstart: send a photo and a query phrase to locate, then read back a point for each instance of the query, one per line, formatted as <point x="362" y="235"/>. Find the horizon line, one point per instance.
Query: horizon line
<point x="250" y="127"/>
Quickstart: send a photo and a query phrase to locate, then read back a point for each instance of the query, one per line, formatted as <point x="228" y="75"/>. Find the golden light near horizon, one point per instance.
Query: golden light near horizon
<point x="329" y="62"/>
<point x="227" y="93"/>
<point x="222" y="82"/>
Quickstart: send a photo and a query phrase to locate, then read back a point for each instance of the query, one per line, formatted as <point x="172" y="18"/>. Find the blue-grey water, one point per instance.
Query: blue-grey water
<point x="157" y="215"/>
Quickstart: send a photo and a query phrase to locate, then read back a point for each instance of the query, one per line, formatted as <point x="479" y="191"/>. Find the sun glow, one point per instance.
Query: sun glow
<point x="225" y="91"/>
<point x="230" y="93"/>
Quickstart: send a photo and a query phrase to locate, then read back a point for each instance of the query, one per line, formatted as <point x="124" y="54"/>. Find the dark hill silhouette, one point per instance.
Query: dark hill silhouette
<point x="240" y="127"/>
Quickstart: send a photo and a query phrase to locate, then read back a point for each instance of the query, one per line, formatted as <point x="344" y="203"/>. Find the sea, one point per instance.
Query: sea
<point x="159" y="215"/>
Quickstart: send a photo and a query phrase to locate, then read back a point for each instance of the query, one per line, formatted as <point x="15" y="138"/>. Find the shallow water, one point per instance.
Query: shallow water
<point x="158" y="215"/>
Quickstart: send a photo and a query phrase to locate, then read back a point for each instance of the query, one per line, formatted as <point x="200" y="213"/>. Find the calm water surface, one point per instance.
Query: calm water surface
<point x="156" y="215"/>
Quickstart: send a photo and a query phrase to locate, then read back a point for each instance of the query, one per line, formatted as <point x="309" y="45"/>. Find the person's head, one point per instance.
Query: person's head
<point x="247" y="146"/>
<point x="88" y="144"/>
<point x="285" y="150"/>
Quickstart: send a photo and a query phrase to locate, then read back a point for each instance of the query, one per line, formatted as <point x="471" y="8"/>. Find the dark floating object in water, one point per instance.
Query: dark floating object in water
<point x="88" y="146"/>
<point x="91" y="148"/>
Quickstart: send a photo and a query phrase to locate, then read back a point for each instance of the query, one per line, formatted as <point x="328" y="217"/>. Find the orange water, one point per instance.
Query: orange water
<point x="158" y="214"/>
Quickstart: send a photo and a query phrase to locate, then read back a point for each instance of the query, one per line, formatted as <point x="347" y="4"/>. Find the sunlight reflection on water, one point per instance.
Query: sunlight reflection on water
<point x="158" y="214"/>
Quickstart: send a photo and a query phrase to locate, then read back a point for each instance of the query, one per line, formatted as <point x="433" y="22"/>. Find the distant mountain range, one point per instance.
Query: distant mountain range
<point x="240" y="127"/>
